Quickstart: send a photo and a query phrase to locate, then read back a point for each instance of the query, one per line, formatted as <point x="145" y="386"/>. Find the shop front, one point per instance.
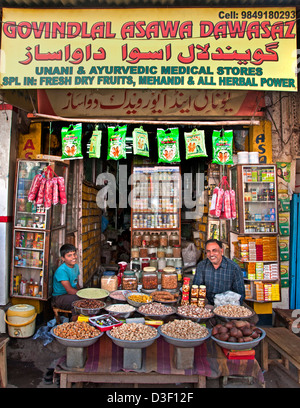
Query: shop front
<point x="170" y="113"/>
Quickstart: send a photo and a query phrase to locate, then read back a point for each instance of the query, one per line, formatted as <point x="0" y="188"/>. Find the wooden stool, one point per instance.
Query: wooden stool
<point x="288" y="346"/>
<point x="56" y="312"/>
<point x="3" y="362"/>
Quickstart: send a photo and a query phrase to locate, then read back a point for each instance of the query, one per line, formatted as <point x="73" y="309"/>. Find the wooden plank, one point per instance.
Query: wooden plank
<point x="288" y="342"/>
<point x="3" y="362"/>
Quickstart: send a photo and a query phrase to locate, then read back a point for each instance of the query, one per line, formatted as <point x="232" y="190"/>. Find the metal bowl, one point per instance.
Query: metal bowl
<point x="92" y="293"/>
<point x="76" y="343"/>
<point x="131" y="344"/>
<point x="119" y="296"/>
<point x="158" y="316"/>
<point x="134" y="303"/>
<point x="240" y="346"/>
<point x="88" y="311"/>
<point x="119" y="314"/>
<point x="228" y="318"/>
<point x="184" y="342"/>
<point x="195" y="319"/>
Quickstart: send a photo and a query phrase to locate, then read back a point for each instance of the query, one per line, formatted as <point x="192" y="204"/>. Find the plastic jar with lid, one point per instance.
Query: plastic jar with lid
<point x="176" y="251"/>
<point x="149" y="278"/>
<point x="129" y="281"/>
<point x="174" y="239"/>
<point x="135" y="253"/>
<point x="109" y="281"/>
<point x="169" y="252"/>
<point x="161" y="252"/>
<point x="163" y="239"/>
<point x="169" y="278"/>
<point x="161" y="264"/>
<point x="194" y="291"/>
<point x="135" y="264"/>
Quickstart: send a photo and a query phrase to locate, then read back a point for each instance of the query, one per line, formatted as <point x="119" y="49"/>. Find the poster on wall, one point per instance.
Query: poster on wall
<point x="171" y="48"/>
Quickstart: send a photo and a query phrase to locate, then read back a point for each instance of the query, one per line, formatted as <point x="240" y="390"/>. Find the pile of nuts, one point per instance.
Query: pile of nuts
<point x="232" y="311"/>
<point x="122" y="308"/>
<point x="156" y="309"/>
<point x="194" y="311"/>
<point x="184" y="329"/>
<point x="88" y="304"/>
<point x="76" y="331"/>
<point x="133" y="332"/>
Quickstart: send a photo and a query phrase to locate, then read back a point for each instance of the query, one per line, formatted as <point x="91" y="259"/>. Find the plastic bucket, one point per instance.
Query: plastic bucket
<point x="253" y="157"/>
<point x="243" y="157"/>
<point x="21" y="320"/>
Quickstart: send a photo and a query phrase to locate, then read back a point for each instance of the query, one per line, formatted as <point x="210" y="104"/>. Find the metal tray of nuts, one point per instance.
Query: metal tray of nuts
<point x="184" y="342"/>
<point x="133" y="344"/>
<point x="231" y="309"/>
<point x="156" y="310"/>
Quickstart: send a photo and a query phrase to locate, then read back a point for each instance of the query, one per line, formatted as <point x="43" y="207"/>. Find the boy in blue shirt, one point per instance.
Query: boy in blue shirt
<point x="65" y="280"/>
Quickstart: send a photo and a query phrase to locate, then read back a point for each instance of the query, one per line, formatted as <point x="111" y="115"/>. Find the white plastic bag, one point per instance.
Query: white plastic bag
<point x="227" y="298"/>
<point x="190" y="255"/>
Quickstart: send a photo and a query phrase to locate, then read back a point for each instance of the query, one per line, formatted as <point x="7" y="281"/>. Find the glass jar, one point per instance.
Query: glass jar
<point x="161" y="264"/>
<point x="153" y="262"/>
<point x="143" y="252"/>
<point x="169" y="252"/>
<point x="163" y="239"/>
<point x="135" y="264"/>
<point x="149" y="278"/>
<point x="129" y="281"/>
<point x="135" y="252"/>
<point x="136" y="239"/>
<point x="154" y="240"/>
<point x="202" y="291"/>
<point x="170" y="262"/>
<point x="145" y="263"/>
<point x="174" y="239"/>
<point x="146" y="239"/>
<point x="109" y="281"/>
<point x="186" y="285"/>
<point x="169" y="278"/>
<point x="161" y="252"/>
<point x="176" y="251"/>
<point x="152" y="251"/>
<point x="194" y="291"/>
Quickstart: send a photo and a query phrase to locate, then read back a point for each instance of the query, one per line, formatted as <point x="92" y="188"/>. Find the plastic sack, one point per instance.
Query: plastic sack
<point x="168" y="145"/>
<point x="222" y="147"/>
<point x="55" y="195"/>
<point x="95" y="145"/>
<point x="140" y="142"/>
<point x="233" y="204"/>
<point x="48" y="194"/>
<point x="43" y="332"/>
<point x="117" y="143"/>
<point x="217" y="202"/>
<point x="226" y="206"/>
<point x="190" y="255"/>
<point x="40" y="194"/>
<point x="227" y="298"/>
<point x="195" y="144"/>
<point x="71" y="142"/>
<point x="62" y="190"/>
<point x="34" y="188"/>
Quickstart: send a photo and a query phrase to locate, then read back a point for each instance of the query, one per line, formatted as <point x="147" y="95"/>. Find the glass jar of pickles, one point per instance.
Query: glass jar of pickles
<point x="163" y="239"/>
<point x="161" y="252"/>
<point x="174" y="239"/>
<point x="149" y="278"/>
<point x="135" y="252"/>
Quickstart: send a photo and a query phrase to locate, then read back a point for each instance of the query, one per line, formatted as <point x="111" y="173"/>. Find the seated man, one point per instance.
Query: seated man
<point x="219" y="273"/>
<point x="65" y="280"/>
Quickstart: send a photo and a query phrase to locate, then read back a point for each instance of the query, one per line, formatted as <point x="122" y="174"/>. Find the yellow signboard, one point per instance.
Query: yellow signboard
<point x="192" y="48"/>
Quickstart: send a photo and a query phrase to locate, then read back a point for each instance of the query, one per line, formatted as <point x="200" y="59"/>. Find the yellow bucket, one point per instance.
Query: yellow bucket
<point x="21" y="320"/>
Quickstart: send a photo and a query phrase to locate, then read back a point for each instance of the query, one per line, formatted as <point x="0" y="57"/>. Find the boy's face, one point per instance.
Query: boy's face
<point x="70" y="259"/>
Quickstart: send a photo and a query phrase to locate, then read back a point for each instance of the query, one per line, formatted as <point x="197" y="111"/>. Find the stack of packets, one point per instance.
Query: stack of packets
<point x="267" y="292"/>
<point x="259" y="270"/>
<point x="259" y="249"/>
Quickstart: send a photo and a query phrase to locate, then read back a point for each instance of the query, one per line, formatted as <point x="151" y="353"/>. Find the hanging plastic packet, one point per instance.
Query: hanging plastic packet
<point x="95" y="145"/>
<point x="195" y="144"/>
<point x="62" y="190"/>
<point x="71" y="142"/>
<point x="222" y="141"/>
<point x="48" y="194"/>
<point x="34" y="188"/>
<point x="117" y="143"/>
<point x="55" y="196"/>
<point x="168" y="145"/>
<point x="140" y="142"/>
<point x="40" y="195"/>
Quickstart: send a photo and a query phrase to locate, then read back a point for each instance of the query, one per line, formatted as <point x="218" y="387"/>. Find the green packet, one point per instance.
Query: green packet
<point x="195" y="144"/>
<point x="168" y="145"/>
<point x="95" y="144"/>
<point x="222" y="141"/>
<point x="71" y="142"/>
<point x="117" y="142"/>
<point x="140" y="142"/>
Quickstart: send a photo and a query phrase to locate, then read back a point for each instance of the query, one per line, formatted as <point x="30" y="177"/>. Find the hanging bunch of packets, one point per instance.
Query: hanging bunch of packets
<point x="222" y="142"/>
<point x="117" y="143"/>
<point x="95" y="144"/>
<point x="71" y="142"/>
<point x="195" y="144"/>
<point x="168" y="145"/>
<point x="140" y="142"/>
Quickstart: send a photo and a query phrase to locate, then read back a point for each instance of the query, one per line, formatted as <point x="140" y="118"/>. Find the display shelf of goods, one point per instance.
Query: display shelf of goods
<point x="256" y="199"/>
<point x="32" y="227"/>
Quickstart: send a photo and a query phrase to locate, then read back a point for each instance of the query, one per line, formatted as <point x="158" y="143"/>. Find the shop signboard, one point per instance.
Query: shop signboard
<point x="153" y="48"/>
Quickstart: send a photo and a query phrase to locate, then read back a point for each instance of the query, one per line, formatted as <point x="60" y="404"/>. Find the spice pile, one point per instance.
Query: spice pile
<point x="133" y="332"/>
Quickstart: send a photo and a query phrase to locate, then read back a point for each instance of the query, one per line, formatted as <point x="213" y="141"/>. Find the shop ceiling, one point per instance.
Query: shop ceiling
<point x="146" y="3"/>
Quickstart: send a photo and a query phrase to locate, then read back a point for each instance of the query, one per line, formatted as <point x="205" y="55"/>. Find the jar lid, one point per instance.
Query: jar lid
<point x="177" y="246"/>
<point x="153" y="257"/>
<point x="169" y="269"/>
<point x="129" y="273"/>
<point x="108" y="273"/>
<point x="149" y="269"/>
<point x="194" y="286"/>
<point x="202" y="287"/>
